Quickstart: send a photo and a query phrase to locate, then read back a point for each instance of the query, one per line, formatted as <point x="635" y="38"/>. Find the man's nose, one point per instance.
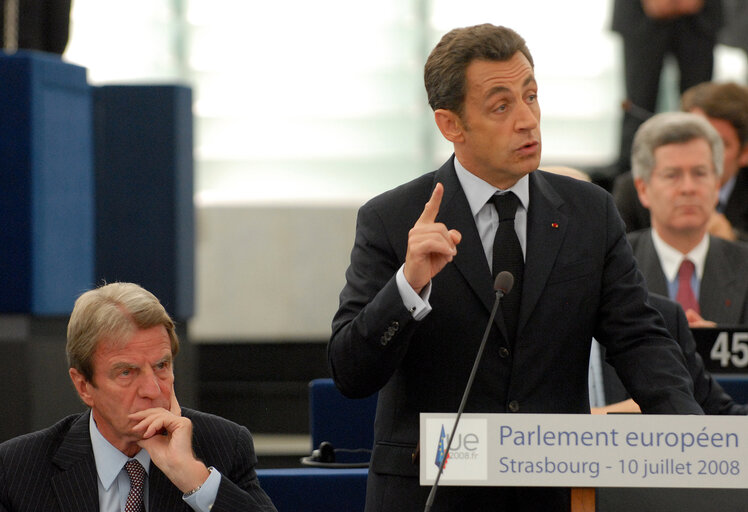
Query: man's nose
<point x="526" y="117"/>
<point x="148" y="386"/>
<point x="688" y="182"/>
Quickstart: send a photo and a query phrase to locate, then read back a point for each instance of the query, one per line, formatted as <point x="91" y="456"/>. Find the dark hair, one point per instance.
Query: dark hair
<point x="444" y="72"/>
<point x="726" y="101"/>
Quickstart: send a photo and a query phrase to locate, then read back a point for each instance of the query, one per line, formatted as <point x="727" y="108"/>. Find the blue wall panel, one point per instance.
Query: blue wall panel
<point x="144" y="191"/>
<point x="46" y="197"/>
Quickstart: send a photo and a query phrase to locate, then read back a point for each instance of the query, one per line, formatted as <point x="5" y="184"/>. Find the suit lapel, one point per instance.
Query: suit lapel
<point x="546" y="228"/>
<point x="649" y="264"/>
<point x="76" y="486"/>
<point x="470" y="260"/>
<point x="162" y="494"/>
<point x="719" y="287"/>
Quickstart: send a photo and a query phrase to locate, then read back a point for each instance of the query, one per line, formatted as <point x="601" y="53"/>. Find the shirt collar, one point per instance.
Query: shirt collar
<point x="109" y="460"/>
<point x="671" y="258"/>
<point x="478" y="191"/>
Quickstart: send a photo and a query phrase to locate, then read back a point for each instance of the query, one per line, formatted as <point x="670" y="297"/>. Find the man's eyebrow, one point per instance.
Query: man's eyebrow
<point x="121" y="366"/>
<point x="165" y="359"/>
<point x="499" y="89"/>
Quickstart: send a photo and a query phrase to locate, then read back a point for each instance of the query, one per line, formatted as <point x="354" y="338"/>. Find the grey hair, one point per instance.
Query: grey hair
<point x="112" y="313"/>
<point x="672" y="128"/>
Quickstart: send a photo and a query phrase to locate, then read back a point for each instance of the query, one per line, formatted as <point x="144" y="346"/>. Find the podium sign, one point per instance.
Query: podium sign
<point x="579" y="450"/>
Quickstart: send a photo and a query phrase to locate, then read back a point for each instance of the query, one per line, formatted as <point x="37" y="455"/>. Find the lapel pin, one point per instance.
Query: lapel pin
<point x="554" y="224"/>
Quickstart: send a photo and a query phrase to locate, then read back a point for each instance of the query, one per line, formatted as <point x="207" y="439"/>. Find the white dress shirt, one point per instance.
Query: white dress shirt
<point x="478" y="193"/>
<point x="114" y="483"/>
<point x="671" y="258"/>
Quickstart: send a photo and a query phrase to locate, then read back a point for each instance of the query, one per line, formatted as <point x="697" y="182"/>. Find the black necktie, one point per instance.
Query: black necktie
<point x="507" y="255"/>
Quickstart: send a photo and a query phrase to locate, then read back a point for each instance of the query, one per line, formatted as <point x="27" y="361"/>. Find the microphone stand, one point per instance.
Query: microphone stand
<point x="499" y="294"/>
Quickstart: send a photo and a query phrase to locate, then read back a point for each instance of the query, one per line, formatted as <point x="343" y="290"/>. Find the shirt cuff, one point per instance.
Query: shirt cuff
<point x="418" y="305"/>
<point x="203" y="499"/>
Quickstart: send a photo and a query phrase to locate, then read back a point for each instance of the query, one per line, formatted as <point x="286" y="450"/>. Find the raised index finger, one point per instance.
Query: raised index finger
<point x="174" y="407"/>
<point x="431" y="209"/>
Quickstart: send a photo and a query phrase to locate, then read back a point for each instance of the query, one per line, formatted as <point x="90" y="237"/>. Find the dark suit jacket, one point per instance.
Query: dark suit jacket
<point x="632" y="211"/>
<point x="647" y="42"/>
<point x="636" y="216"/>
<point x="54" y="470"/>
<point x="580" y="281"/>
<point x="723" y="295"/>
<point x="629" y="19"/>
<point x="734" y="32"/>
<point x="707" y="390"/>
<point x="736" y="209"/>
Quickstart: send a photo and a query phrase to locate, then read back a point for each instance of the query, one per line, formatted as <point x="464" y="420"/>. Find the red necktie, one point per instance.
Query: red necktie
<point x="137" y="477"/>
<point x="685" y="295"/>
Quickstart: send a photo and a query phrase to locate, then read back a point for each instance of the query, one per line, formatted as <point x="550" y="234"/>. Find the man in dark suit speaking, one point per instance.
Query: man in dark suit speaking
<point x="419" y="288"/>
<point x="136" y="450"/>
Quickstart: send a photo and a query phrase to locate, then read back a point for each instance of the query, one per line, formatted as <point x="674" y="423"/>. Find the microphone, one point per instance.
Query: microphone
<point x="503" y="285"/>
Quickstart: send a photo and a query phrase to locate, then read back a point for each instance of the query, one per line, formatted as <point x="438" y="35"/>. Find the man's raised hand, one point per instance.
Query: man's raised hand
<point x="430" y="244"/>
<point x="167" y="437"/>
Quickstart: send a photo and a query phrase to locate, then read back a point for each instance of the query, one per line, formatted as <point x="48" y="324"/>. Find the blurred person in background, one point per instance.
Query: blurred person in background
<point x="42" y="25"/>
<point x="725" y="106"/>
<point x="652" y="30"/>
<point x="677" y="164"/>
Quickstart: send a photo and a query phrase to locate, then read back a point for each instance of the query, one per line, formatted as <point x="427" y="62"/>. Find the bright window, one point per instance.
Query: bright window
<point x="324" y="101"/>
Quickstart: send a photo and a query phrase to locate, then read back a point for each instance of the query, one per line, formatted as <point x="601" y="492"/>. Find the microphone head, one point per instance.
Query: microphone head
<point x="503" y="282"/>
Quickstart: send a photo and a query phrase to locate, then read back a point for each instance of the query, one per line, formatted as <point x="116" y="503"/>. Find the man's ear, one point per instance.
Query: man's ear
<point x="641" y="190"/>
<point x="82" y="386"/>
<point x="743" y="156"/>
<point x="450" y="124"/>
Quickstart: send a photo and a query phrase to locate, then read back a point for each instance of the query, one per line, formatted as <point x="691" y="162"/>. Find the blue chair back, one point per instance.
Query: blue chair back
<point x="344" y="422"/>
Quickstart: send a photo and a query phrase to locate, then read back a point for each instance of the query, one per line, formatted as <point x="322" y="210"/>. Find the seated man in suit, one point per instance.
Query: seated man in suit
<point x="725" y="106"/>
<point x="677" y="164"/>
<point x="135" y="449"/>
<point x="707" y="391"/>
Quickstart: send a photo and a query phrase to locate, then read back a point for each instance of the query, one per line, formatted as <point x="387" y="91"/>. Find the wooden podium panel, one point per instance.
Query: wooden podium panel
<point x="583" y="499"/>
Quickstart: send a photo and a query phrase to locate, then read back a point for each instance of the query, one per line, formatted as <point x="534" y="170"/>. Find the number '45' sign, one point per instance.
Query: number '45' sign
<point x="730" y="351"/>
